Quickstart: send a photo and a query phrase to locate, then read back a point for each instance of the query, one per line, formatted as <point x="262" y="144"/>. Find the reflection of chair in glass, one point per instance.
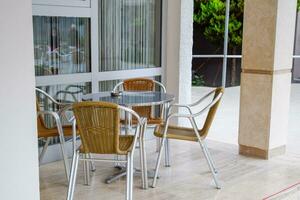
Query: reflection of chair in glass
<point x="142" y="84"/>
<point x="44" y="132"/>
<point x="99" y="129"/>
<point x="165" y="131"/>
<point x="71" y="90"/>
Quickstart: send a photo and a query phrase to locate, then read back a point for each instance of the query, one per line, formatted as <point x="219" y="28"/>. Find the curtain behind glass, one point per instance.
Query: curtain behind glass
<point x="129" y="34"/>
<point x="61" y="45"/>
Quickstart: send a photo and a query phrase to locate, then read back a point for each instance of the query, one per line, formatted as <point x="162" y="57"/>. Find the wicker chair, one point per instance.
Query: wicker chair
<point x="47" y="133"/>
<point x="165" y="131"/>
<point x="144" y="84"/>
<point x="99" y="129"/>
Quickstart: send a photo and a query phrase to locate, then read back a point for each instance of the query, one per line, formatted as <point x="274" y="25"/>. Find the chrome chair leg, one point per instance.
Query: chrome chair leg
<point x="92" y="163"/>
<point x="158" y="162"/>
<point x="205" y="152"/>
<point x="129" y="177"/>
<point x="143" y="147"/>
<point x="86" y="169"/>
<point x="65" y="157"/>
<point x="210" y="158"/>
<point x="167" y="153"/>
<point x="210" y="166"/>
<point x="73" y="175"/>
<point x="142" y="161"/>
<point x="158" y="141"/>
<point x="45" y="147"/>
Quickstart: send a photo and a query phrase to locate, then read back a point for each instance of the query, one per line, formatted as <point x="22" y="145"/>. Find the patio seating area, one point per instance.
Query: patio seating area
<point x="150" y="99"/>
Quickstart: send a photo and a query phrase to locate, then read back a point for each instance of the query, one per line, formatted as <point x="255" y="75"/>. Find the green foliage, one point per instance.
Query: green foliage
<point x="198" y="80"/>
<point x="210" y="14"/>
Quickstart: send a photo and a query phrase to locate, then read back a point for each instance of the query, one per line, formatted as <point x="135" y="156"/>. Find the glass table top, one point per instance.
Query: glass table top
<point x="131" y="98"/>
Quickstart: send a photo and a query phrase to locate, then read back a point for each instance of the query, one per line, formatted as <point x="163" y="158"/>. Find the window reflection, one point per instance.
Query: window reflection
<point x="61" y="45"/>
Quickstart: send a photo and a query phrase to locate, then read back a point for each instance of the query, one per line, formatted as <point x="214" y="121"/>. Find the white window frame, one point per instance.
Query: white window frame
<point x="72" y="3"/>
<point x="94" y="76"/>
<point x="225" y="55"/>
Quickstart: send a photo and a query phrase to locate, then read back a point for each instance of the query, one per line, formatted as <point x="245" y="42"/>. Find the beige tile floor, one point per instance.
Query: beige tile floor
<point x="188" y="177"/>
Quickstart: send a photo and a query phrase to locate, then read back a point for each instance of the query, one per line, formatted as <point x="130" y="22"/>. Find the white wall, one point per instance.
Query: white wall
<point x="19" y="158"/>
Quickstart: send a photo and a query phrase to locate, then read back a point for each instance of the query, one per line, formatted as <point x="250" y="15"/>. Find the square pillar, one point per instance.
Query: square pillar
<point x="19" y="169"/>
<point x="268" y="42"/>
<point x="177" y="47"/>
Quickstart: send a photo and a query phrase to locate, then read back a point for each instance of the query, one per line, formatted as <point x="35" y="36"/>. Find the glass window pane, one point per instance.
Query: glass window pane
<point x="61" y="45"/>
<point x="234" y="69"/>
<point x="129" y="34"/>
<point x="207" y="72"/>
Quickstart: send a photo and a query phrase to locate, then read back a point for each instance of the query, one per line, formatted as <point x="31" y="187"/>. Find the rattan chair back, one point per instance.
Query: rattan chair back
<point x="211" y="113"/>
<point x="140" y="84"/>
<point x="99" y="126"/>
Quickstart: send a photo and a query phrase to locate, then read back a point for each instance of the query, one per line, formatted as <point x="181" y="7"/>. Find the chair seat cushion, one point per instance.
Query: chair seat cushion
<point x="53" y="132"/>
<point x="177" y="132"/>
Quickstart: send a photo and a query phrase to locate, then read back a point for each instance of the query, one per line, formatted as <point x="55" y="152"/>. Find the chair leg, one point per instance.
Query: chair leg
<point x="167" y="153"/>
<point x="206" y="153"/>
<point x="65" y="157"/>
<point x="158" y="140"/>
<point x="158" y="162"/>
<point x="86" y="169"/>
<point x="143" y="148"/>
<point x="45" y="147"/>
<point x="142" y="162"/>
<point x="129" y="177"/>
<point x="92" y="164"/>
<point x="210" y="158"/>
<point x="73" y="175"/>
<point x="210" y="165"/>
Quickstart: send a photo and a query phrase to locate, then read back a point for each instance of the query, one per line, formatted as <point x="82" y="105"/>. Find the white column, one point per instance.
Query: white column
<point x="177" y="47"/>
<point x="19" y="155"/>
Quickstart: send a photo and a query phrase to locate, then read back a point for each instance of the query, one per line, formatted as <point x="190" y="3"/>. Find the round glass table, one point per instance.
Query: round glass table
<point x="132" y="98"/>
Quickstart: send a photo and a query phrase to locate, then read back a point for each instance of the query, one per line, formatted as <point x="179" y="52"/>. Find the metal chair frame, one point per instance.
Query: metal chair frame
<point x="56" y="116"/>
<point x="201" y="141"/>
<point x="142" y="122"/>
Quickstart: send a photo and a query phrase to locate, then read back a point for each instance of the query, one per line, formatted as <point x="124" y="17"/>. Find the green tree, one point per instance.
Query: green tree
<point x="210" y="15"/>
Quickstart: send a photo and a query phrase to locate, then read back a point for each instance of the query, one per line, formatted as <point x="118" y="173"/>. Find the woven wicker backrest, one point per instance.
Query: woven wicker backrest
<point x="211" y="113"/>
<point x="140" y="84"/>
<point x="98" y="124"/>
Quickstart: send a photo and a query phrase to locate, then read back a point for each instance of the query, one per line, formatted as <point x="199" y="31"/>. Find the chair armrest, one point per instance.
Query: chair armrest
<point x="181" y="106"/>
<point x="198" y="113"/>
<point x="161" y="85"/>
<point x="202" y="99"/>
<point x="116" y="88"/>
<point x="50" y="98"/>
